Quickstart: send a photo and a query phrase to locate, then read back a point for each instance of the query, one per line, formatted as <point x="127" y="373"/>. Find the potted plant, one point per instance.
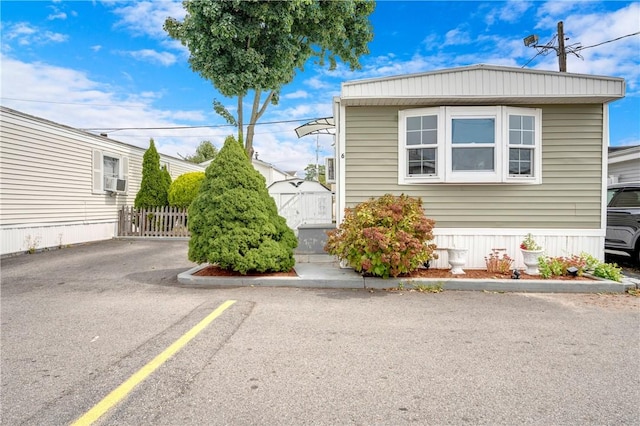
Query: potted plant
<point x="531" y="250"/>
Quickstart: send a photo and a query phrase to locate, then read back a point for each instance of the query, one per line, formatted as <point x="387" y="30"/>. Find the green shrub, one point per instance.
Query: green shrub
<point x="233" y="220"/>
<point x="155" y="181"/>
<point x="184" y="189"/>
<point x="385" y="236"/>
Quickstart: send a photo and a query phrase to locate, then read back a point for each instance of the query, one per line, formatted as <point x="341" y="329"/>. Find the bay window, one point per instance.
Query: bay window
<point x="469" y="145"/>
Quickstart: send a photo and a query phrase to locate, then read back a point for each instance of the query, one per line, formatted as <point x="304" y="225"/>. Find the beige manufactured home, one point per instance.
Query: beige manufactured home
<point x="61" y="186"/>
<point x="494" y="153"/>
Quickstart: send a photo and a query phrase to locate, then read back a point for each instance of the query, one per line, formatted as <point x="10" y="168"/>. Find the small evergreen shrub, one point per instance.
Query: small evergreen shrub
<point x="155" y="181"/>
<point x="233" y="220"/>
<point x="184" y="189"/>
<point x="384" y="237"/>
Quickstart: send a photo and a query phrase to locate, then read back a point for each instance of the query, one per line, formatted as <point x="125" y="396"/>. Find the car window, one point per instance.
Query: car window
<point x="627" y="198"/>
<point x="610" y="194"/>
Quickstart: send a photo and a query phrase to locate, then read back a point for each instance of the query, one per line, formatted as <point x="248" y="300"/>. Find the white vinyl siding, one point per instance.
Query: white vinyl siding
<point x="51" y="174"/>
<point x="568" y="197"/>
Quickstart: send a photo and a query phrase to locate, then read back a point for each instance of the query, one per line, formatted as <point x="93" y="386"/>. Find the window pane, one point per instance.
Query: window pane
<point x="515" y="137"/>
<point x="527" y="138"/>
<point x="110" y="166"/>
<point x="413" y="123"/>
<point x="473" y="130"/>
<point x="429" y="137"/>
<point x="422" y="130"/>
<point x="627" y="198"/>
<point x="515" y="122"/>
<point x="422" y="162"/>
<point x="413" y="138"/>
<point x="430" y="122"/>
<point x="520" y="162"/>
<point x="527" y="122"/>
<point x="472" y="159"/>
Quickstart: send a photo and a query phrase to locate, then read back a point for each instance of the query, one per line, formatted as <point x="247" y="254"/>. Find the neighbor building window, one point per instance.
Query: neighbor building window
<point x="108" y="168"/>
<point x="111" y="169"/>
<point x="469" y="145"/>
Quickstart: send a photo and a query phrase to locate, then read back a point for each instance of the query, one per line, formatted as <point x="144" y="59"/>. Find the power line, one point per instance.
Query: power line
<point x="116" y="129"/>
<point x="608" y="41"/>
<point x="71" y="103"/>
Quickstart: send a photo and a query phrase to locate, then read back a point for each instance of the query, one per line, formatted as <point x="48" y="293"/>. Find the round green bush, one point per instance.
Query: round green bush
<point x="386" y="236"/>
<point x="184" y="189"/>
<point x="233" y="220"/>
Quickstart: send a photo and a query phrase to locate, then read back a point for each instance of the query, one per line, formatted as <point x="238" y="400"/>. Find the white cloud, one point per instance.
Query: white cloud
<point x="58" y="15"/>
<point x="149" y="55"/>
<point x="456" y="37"/>
<point x="96" y="48"/>
<point x="72" y="98"/>
<point x="25" y="34"/>
<point x="298" y="94"/>
<point x="147" y="17"/>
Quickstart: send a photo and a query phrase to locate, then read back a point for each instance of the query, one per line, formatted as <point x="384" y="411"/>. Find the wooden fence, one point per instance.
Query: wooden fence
<point x="153" y="222"/>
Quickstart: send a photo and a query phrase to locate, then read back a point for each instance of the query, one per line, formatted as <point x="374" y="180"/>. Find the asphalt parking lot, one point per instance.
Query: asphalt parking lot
<point x="80" y="322"/>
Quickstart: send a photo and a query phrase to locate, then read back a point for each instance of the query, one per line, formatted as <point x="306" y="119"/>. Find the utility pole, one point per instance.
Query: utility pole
<point x="562" y="53"/>
<point x="561" y="50"/>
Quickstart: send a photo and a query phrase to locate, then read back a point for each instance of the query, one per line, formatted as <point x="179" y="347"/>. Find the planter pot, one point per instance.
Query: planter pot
<point x="457" y="259"/>
<point x="530" y="258"/>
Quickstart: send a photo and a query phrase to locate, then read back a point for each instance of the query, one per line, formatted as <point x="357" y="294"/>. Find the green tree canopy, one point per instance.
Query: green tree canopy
<point x="155" y="181"/>
<point x="311" y="173"/>
<point x="205" y="151"/>
<point x="243" y="46"/>
<point x="233" y="220"/>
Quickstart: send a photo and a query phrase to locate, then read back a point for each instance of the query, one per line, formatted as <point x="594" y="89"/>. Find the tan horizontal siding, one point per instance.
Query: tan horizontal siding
<point x="569" y="196"/>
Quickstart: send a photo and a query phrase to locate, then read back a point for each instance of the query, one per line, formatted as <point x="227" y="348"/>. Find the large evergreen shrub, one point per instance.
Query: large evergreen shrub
<point x="185" y="188"/>
<point x="234" y="222"/>
<point x="154" y="185"/>
<point x="386" y="236"/>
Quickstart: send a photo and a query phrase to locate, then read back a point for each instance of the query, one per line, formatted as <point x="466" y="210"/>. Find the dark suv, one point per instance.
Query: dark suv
<point x="623" y="219"/>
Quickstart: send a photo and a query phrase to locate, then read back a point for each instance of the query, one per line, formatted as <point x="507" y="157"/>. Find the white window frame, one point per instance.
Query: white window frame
<point x="98" y="170"/>
<point x="444" y="167"/>
<point x="403" y="174"/>
<point x="536" y="156"/>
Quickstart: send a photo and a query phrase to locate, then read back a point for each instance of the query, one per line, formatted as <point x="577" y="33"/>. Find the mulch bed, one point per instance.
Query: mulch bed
<point x="215" y="271"/>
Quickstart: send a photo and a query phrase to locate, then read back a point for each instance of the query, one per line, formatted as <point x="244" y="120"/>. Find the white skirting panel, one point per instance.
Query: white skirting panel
<point x="20" y="238"/>
<point x="480" y="242"/>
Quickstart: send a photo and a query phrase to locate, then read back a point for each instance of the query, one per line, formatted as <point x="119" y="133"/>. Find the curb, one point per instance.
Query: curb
<point x="355" y="281"/>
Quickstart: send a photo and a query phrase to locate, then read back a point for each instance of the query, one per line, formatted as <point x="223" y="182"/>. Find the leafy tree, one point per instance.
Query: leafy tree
<point x="310" y="173"/>
<point x="205" y="151"/>
<point x="154" y="185"/>
<point x="233" y="220"/>
<point x="185" y="188"/>
<point x="243" y="46"/>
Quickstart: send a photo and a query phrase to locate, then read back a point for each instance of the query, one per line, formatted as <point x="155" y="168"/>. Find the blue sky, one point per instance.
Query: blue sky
<point x="110" y="65"/>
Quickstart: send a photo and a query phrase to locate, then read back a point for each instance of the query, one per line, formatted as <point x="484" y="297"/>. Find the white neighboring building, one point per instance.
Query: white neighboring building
<point x="54" y="182"/>
<point x="270" y="172"/>
<point x="624" y="164"/>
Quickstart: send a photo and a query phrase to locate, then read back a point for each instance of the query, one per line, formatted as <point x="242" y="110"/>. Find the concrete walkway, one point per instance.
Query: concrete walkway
<point x="320" y="271"/>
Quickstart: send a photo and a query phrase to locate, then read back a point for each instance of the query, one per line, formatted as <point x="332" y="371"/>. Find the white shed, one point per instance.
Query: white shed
<point x="302" y="202"/>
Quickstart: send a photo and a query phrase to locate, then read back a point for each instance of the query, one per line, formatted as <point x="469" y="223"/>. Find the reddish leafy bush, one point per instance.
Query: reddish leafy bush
<point x="384" y="237"/>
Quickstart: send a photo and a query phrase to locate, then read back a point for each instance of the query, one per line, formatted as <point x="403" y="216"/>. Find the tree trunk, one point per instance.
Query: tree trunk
<point x="255" y="116"/>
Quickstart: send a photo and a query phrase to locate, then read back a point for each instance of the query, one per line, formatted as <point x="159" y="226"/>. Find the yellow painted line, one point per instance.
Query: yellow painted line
<point x="123" y="390"/>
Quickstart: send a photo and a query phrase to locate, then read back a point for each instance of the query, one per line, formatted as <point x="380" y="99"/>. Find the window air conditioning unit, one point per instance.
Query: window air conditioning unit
<point x="121" y="185"/>
<point x="115" y="185"/>
<point x="330" y="169"/>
